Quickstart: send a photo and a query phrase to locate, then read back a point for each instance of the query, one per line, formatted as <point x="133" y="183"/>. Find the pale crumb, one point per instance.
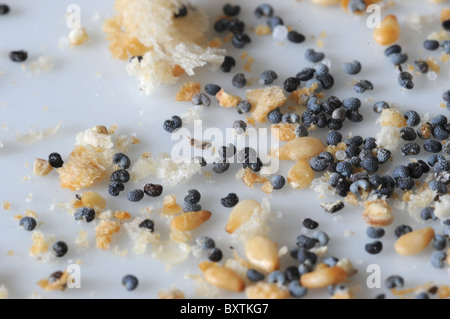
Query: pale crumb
<point x="283" y="251"/>
<point x="320" y="251"/>
<point x="202" y="288"/>
<point x="262" y="29"/>
<point x="81" y="241"/>
<point x="165" y="168"/>
<point x="10" y="253"/>
<point x="416" y="22"/>
<point x="118" y="252"/>
<point x="337" y="219"/>
<point x="257" y="225"/>
<point x="34" y="295"/>
<point x="442" y="207"/>
<point x="78" y="262"/>
<point x="171" y="293"/>
<point x="141" y="237"/>
<point x="389" y="138"/>
<point x="348" y="233"/>
<point x="29" y="198"/>
<point x="3" y="292"/>
<point x="192" y="114"/>
<point x="78" y="36"/>
<point x="6" y="205"/>
<point x="42" y="64"/>
<point x="170" y="253"/>
<point x="34" y="136"/>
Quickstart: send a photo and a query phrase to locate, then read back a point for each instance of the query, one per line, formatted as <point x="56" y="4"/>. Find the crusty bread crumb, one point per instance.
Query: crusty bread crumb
<point x="283" y="131"/>
<point x="187" y="91"/>
<point x="81" y="170"/>
<point x="104" y="232"/>
<point x="265" y="100"/>
<point x="227" y="100"/>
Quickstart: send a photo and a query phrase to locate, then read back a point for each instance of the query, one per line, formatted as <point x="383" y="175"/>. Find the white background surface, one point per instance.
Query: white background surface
<point x="75" y="94"/>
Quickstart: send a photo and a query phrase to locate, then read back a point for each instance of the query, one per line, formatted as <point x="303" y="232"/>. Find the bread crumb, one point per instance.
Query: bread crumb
<point x="165" y="168"/>
<point x="442" y="207"/>
<point x="6" y="205"/>
<point x="170" y="253"/>
<point x="55" y="283"/>
<point x="3" y="292"/>
<point x="171" y="293"/>
<point x="267" y="187"/>
<point x="141" y="237"/>
<point x="10" y="253"/>
<point x="244" y="55"/>
<point x="148" y="29"/>
<point x="249" y="178"/>
<point x="248" y="65"/>
<point x="203" y="288"/>
<point x="264" y="290"/>
<point x="41" y="64"/>
<point x="170" y="206"/>
<point x="283" y="131"/>
<point x="187" y="91"/>
<point x="119" y="215"/>
<point x="41" y="167"/>
<point x="34" y="136"/>
<point x="262" y="29"/>
<point x="81" y="241"/>
<point x="78" y="36"/>
<point x="81" y="170"/>
<point x="389" y="138"/>
<point x="265" y="100"/>
<point x="433" y="65"/>
<point x="104" y="232"/>
<point x="227" y="100"/>
<point x="257" y="225"/>
<point x="40" y="244"/>
<point x="391" y="117"/>
<point x="214" y="43"/>
<point x="30" y="213"/>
